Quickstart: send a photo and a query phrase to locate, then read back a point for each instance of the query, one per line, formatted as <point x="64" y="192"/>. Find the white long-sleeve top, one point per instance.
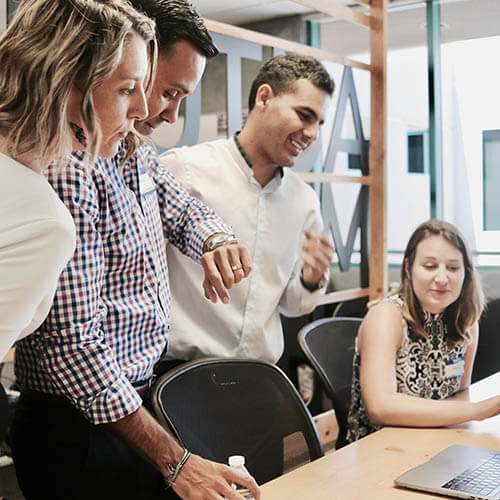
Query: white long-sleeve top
<point x="270" y="221"/>
<point x="37" y="238"/>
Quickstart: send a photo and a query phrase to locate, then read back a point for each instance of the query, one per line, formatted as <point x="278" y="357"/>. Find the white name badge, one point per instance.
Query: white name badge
<point x="455" y="368"/>
<point x="146" y="184"/>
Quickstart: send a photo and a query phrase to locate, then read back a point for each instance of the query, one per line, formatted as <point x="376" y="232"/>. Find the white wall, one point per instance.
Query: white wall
<point x="407" y="194"/>
<point x="3" y="15"/>
<point x="471" y="104"/>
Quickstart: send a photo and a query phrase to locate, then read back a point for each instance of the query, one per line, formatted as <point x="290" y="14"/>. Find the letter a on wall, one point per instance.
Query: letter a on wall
<point x="358" y="147"/>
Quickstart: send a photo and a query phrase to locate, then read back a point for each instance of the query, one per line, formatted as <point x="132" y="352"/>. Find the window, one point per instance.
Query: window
<point x="354" y="162"/>
<point x="491" y="180"/>
<point x="11" y="7"/>
<point x="417" y="145"/>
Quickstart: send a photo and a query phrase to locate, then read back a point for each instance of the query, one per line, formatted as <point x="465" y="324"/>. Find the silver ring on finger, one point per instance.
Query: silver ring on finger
<point x="236" y="267"/>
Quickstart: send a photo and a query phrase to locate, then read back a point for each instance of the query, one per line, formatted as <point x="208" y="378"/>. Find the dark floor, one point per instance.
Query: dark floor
<point x="9" y="489"/>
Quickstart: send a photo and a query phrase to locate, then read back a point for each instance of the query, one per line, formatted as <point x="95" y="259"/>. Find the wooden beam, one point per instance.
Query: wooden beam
<point x="343" y="295"/>
<point x="337" y="10"/>
<point x="378" y="147"/>
<point x="317" y="177"/>
<point x="364" y="2"/>
<point x="280" y="43"/>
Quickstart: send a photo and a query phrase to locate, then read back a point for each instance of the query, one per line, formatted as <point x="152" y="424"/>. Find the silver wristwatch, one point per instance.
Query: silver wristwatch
<point x="219" y="240"/>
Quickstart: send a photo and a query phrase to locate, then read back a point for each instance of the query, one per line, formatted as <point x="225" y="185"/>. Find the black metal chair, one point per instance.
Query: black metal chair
<point x="354" y="308"/>
<point x="222" y="407"/>
<point x="329" y="346"/>
<point x="487" y="359"/>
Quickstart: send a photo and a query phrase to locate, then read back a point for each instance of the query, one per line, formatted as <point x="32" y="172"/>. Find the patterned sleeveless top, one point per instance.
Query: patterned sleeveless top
<point x="425" y="367"/>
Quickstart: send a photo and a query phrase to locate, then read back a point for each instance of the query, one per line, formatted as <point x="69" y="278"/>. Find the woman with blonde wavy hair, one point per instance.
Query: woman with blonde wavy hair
<point x="73" y="76"/>
<point x="416" y="347"/>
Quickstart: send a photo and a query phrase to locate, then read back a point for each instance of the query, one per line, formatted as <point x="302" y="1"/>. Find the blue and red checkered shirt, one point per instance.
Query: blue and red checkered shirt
<point x="110" y="319"/>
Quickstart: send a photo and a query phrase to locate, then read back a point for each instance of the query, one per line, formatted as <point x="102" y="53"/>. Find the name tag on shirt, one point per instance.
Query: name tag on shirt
<point x="146" y="185"/>
<point x="454" y="369"/>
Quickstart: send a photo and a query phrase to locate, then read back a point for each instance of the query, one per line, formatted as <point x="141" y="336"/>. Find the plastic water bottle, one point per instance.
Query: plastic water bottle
<point x="238" y="462"/>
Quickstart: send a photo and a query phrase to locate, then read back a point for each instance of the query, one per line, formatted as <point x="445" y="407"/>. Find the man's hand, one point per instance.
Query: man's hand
<point x="317" y="255"/>
<point x="201" y="479"/>
<point x="223" y="267"/>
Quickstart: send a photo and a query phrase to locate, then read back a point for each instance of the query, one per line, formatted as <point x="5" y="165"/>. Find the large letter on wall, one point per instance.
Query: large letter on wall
<point x="358" y="147"/>
<point x="235" y="50"/>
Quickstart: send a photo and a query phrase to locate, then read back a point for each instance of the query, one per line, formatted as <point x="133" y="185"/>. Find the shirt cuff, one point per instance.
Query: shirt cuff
<point x="114" y="403"/>
<point x="322" y="283"/>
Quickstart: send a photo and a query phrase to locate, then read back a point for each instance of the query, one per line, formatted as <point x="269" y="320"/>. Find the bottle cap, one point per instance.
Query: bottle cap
<point x="236" y="460"/>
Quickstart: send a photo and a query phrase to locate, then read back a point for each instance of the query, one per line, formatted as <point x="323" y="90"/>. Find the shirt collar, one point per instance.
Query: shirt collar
<point x="245" y="156"/>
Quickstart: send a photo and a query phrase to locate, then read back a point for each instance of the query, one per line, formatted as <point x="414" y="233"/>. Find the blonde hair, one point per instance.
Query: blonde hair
<point x="467" y="309"/>
<point x="51" y="46"/>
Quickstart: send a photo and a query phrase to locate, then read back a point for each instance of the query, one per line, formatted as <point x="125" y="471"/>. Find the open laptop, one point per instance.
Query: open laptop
<point x="458" y="471"/>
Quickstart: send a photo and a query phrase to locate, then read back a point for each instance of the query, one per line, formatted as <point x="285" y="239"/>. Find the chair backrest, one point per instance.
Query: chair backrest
<point x="354" y="308"/>
<point x="487" y="359"/>
<point x="329" y="346"/>
<point x="223" y="407"/>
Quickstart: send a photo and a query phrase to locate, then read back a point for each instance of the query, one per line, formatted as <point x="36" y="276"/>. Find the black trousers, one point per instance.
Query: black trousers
<point x="59" y="455"/>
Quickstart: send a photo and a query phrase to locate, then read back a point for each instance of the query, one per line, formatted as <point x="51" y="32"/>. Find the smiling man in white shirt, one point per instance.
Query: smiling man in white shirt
<point x="247" y="180"/>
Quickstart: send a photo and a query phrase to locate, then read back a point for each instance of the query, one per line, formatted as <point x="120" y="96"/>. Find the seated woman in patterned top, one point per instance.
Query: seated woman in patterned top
<point x="417" y="346"/>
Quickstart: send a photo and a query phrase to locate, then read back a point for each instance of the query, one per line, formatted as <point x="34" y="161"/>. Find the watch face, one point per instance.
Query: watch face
<point x="217" y="240"/>
<point x="221" y="239"/>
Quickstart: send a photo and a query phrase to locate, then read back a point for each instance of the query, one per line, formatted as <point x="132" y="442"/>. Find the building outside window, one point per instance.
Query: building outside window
<point x="491" y="180"/>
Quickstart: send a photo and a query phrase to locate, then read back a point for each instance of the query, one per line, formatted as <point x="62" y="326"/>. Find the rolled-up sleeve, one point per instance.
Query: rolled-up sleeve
<point x="187" y="221"/>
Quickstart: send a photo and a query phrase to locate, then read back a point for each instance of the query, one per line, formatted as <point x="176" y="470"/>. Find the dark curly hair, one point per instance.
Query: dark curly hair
<point x="281" y="73"/>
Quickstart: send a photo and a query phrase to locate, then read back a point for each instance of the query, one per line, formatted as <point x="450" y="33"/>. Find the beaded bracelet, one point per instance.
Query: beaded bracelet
<point x="174" y="471"/>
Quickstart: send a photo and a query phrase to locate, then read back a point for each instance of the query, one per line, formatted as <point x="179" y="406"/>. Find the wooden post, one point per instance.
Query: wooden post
<point x="378" y="147"/>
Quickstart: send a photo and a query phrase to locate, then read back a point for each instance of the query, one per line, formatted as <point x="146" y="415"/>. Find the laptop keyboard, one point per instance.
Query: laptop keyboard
<point x="482" y="479"/>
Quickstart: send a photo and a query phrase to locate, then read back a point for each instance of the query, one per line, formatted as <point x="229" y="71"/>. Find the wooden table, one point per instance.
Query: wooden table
<point x="366" y="469"/>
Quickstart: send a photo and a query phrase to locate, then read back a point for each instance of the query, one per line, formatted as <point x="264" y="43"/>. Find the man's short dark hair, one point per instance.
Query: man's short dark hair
<point x="176" y="21"/>
<point x="281" y="73"/>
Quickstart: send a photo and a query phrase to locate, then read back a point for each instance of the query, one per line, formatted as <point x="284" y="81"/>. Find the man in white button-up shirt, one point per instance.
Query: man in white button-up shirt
<point x="247" y="181"/>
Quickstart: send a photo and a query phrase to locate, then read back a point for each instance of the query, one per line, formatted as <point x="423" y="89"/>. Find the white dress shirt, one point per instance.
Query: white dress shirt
<point x="37" y="238"/>
<point x="270" y="221"/>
